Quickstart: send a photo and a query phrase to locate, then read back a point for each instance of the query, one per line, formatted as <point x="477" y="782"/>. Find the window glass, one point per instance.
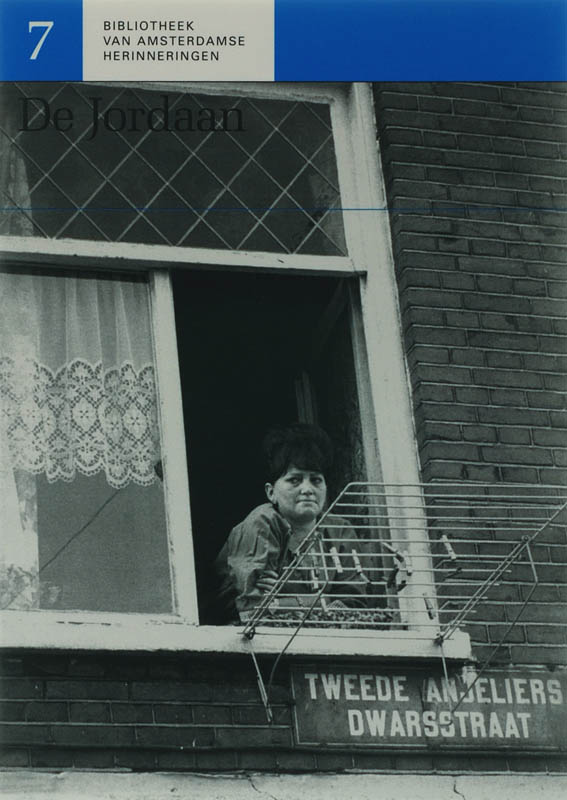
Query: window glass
<point x="81" y="490"/>
<point x="170" y="168"/>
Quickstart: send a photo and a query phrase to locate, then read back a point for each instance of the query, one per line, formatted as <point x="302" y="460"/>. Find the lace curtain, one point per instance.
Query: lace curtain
<point x="77" y="381"/>
<point x="77" y="388"/>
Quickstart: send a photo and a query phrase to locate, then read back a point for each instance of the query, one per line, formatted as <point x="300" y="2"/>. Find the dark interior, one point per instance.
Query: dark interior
<point x="243" y="339"/>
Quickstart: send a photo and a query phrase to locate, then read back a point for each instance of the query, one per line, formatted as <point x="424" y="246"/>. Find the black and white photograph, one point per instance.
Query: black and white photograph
<point x="283" y="449"/>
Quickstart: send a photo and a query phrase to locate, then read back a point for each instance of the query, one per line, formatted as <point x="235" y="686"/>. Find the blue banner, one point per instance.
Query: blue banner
<point x="421" y="40"/>
<point x="290" y="40"/>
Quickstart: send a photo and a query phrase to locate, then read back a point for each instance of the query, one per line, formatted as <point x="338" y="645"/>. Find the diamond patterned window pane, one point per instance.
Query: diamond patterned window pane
<point x="270" y="186"/>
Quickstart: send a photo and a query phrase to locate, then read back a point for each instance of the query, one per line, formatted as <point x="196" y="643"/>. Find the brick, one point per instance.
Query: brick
<point x="531" y="764"/>
<point x="223" y="760"/>
<point x="51" y="758"/>
<point x="20" y="688"/>
<point x="11" y="666"/>
<point x="464" y="319"/>
<point x="12" y="711"/>
<point x="167" y="670"/>
<point x="86" y="690"/>
<point x="435" y="261"/>
<point x="479" y="433"/>
<point x="47" y="712"/>
<point x="453" y="244"/>
<point x="214" y="715"/>
<point x="547" y="363"/>
<point x="334" y="762"/>
<point x="480" y="472"/>
<point x="538" y="655"/>
<point x="508" y="397"/>
<point x="488" y="247"/>
<point x="472" y="395"/>
<point x="503" y="341"/>
<point x="441" y="431"/>
<point x="502" y="378"/>
<point x="469" y="356"/>
<point x="495" y="302"/>
<point x="506" y="360"/>
<point x="547" y="634"/>
<point x="430" y="391"/>
<point x="93" y="735"/>
<point x="474" y="143"/>
<point x="458" y="280"/>
<point x="457" y="451"/>
<point x="449" y="374"/>
<point x="445" y="471"/>
<point x="247" y="736"/>
<point x="94" y="759"/>
<point x="17" y="733"/>
<point x="514" y="322"/>
<point x="555" y="344"/>
<point x="452" y="763"/>
<point x="391" y="135"/>
<point x="139" y="760"/>
<point x="448" y="413"/>
<point x="297" y="761"/>
<point x="176" y="735"/>
<point x="530" y="287"/>
<point x="86" y="667"/>
<point x="373" y="761"/>
<point x="438" y="336"/>
<point x="417" y="277"/>
<point x="258" y="760"/>
<point x="434" y="139"/>
<point x="514" y="435"/>
<point x="558" y="419"/>
<point x="542" y="149"/>
<point x="89" y="712"/>
<point x="517" y="455"/>
<point x="554" y="382"/>
<point x="487" y="264"/>
<point x="250" y="715"/>
<point x="524" y="96"/>
<point x="131" y="712"/>
<point x="397" y="100"/>
<point x="171" y="690"/>
<point x="424" y="316"/>
<point x="427" y="189"/>
<point x="536" y="612"/>
<point x="494" y="284"/>
<point x="513" y="146"/>
<point x="14" y="757"/>
<point x="519" y="474"/>
<point x="512" y="181"/>
<point x="182" y="760"/>
<point x="174" y="713"/>
<point x="413" y="762"/>
<point x="440" y="104"/>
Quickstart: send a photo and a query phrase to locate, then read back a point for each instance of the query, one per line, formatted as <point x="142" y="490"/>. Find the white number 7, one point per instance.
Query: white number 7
<point x="47" y="26"/>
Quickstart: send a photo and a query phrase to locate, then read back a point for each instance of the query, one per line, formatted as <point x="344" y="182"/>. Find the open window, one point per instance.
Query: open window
<point x="209" y="223"/>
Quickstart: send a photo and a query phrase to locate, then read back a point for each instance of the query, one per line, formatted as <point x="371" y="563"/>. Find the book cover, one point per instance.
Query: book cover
<point x="225" y="229"/>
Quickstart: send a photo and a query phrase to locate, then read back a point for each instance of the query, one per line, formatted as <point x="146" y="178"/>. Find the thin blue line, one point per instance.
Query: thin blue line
<point x="246" y="209"/>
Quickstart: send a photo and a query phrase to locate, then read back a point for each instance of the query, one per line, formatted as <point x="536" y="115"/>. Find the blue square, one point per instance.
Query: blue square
<point x="60" y="55"/>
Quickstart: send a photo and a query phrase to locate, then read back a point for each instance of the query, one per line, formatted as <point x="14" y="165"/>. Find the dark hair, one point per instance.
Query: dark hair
<point x="305" y="446"/>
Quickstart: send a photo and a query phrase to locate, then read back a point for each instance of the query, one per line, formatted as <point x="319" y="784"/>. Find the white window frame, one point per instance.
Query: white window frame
<point x="385" y="403"/>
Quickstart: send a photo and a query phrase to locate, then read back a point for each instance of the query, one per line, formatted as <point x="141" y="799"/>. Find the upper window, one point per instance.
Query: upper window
<point x="173" y="168"/>
<point x="179" y="276"/>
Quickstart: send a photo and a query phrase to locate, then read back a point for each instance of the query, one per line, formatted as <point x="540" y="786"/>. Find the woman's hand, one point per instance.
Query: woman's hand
<point x="267" y="580"/>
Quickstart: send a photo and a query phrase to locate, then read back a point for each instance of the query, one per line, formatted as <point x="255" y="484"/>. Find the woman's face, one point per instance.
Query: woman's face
<point x="299" y="494"/>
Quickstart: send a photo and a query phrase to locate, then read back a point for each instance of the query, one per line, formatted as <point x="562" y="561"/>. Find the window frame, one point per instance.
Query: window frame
<point x="387" y="417"/>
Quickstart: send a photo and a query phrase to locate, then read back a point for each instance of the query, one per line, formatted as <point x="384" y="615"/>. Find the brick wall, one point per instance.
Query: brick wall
<point x="476" y="178"/>
<point x="157" y="712"/>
